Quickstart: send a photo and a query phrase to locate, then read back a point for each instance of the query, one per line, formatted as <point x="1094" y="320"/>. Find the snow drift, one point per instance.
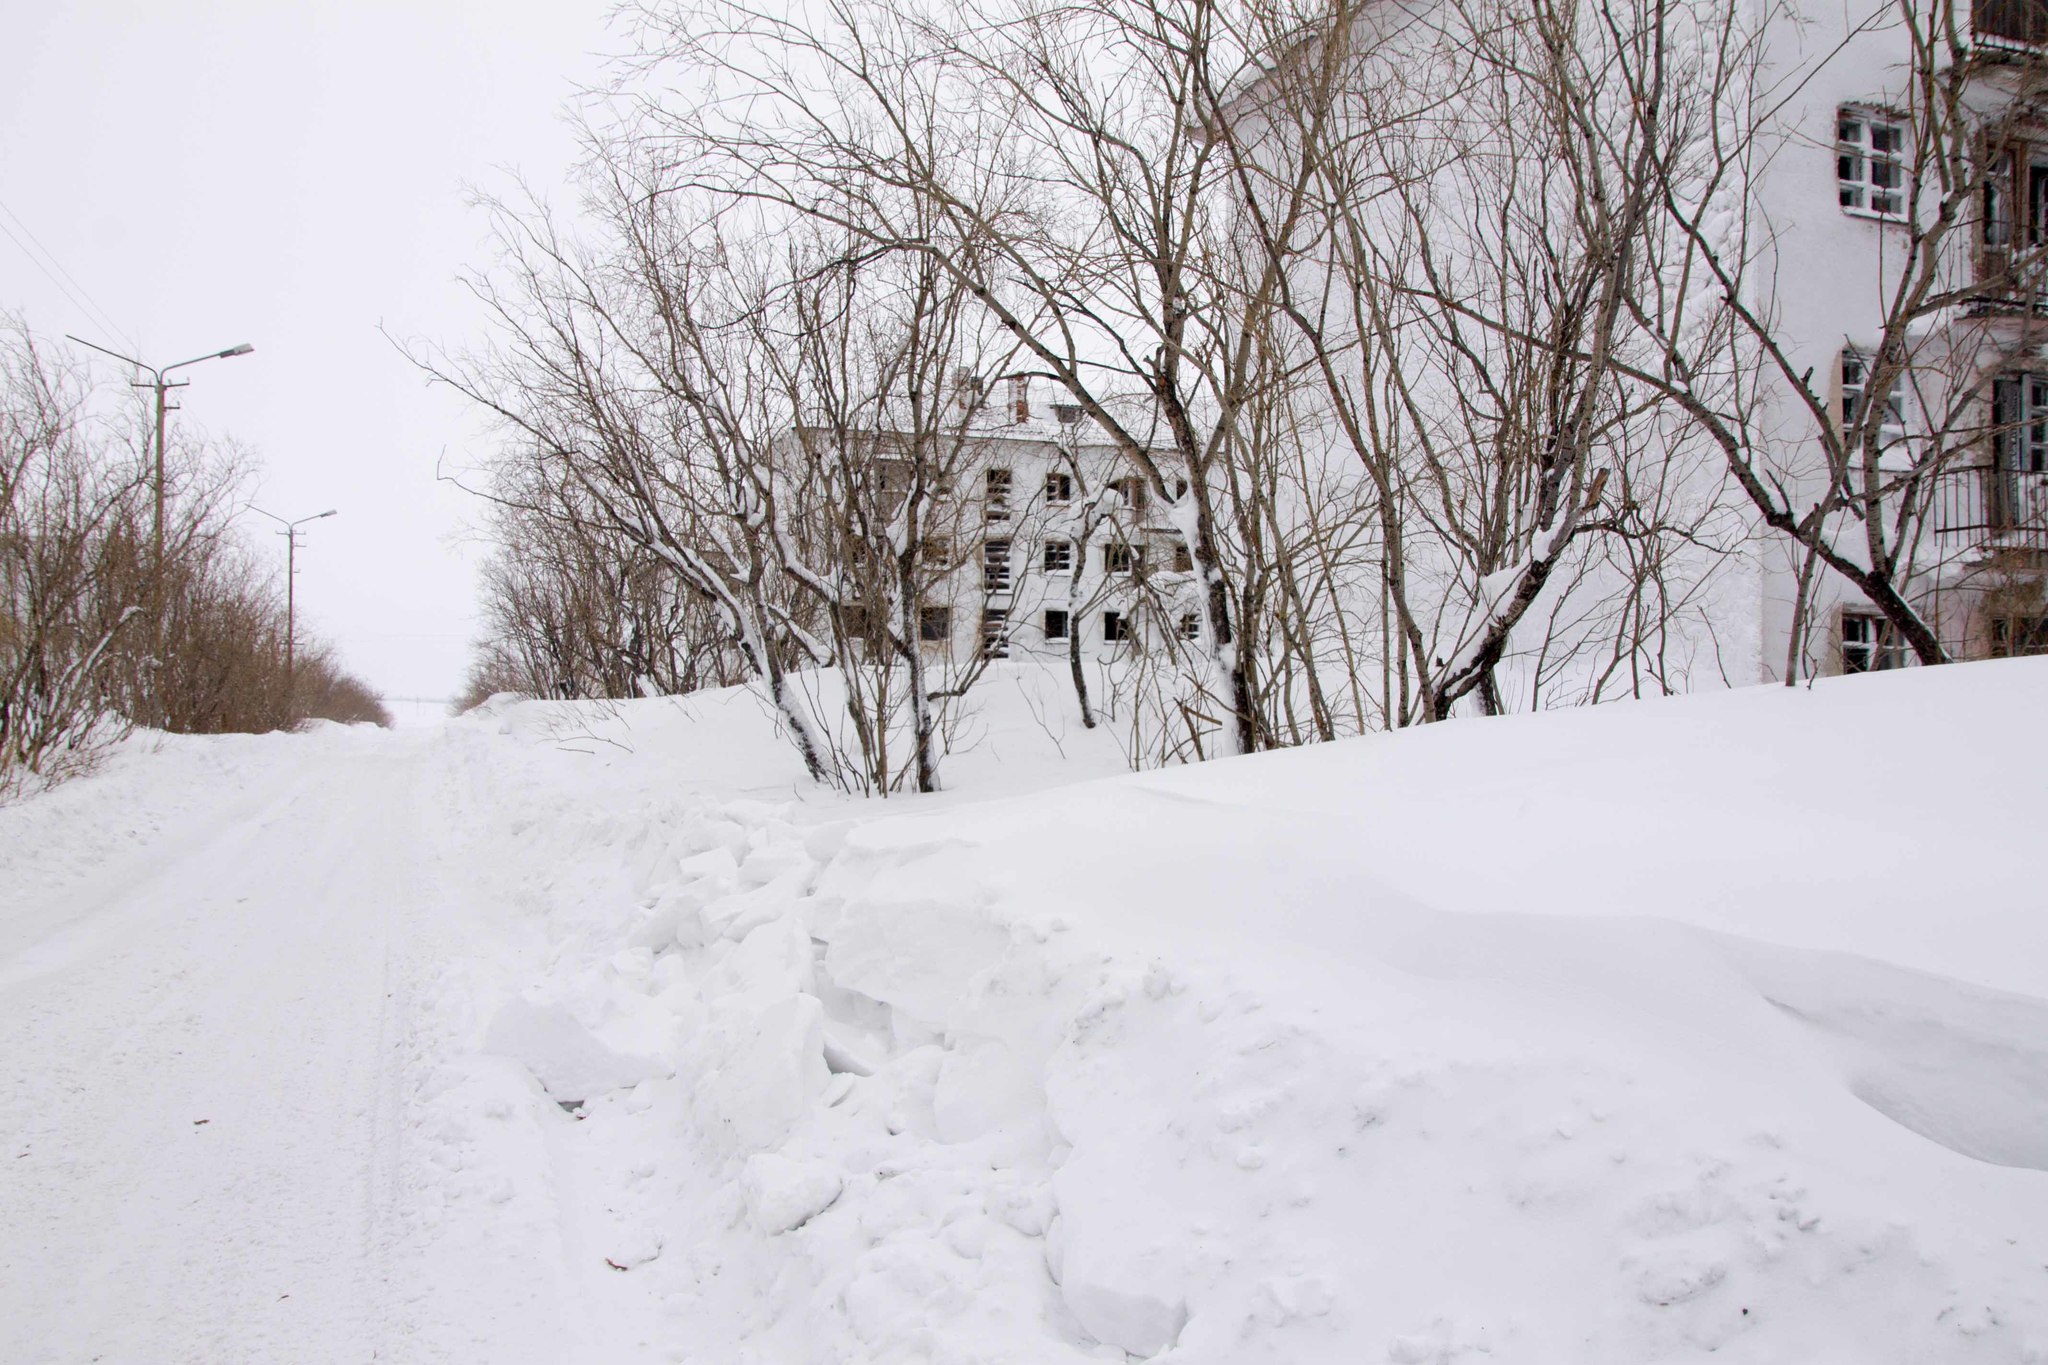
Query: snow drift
<point x="1712" y="1026"/>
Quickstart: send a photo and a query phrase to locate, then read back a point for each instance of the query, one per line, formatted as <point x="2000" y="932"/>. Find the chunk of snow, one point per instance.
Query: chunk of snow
<point x="571" y="1062"/>
<point x="783" y="1194"/>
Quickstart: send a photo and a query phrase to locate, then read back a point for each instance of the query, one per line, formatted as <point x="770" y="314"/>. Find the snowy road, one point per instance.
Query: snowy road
<point x="200" y="1115"/>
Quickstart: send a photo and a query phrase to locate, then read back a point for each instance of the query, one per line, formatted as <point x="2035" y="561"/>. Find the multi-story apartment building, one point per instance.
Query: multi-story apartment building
<point x="1864" y="164"/>
<point x="1061" y="543"/>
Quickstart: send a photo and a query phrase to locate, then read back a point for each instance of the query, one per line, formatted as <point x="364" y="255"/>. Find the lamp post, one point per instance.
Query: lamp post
<point x="163" y="387"/>
<point x="291" y="578"/>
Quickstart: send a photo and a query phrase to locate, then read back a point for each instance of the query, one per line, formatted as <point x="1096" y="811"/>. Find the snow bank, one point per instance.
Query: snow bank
<point x="1706" y="1027"/>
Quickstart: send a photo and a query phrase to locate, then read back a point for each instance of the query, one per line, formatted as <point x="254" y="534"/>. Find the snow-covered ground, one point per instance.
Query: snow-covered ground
<point x="1706" y="1027"/>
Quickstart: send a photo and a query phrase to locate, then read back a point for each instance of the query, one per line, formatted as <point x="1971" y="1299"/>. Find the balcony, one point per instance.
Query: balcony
<point x="2010" y="23"/>
<point x="1993" y="510"/>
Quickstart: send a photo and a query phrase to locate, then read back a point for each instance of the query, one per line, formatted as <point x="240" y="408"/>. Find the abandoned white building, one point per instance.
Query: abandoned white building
<point x="1059" y="545"/>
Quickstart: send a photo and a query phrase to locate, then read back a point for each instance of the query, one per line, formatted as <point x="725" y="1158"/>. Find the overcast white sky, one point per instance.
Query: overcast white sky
<point x="292" y="173"/>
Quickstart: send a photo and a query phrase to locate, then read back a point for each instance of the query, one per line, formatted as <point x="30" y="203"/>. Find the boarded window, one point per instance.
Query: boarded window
<point x="995" y="633"/>
<point x="995" y="566"/>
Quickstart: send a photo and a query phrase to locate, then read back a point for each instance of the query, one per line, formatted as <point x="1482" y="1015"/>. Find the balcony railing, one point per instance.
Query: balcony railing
<point x="2020" y="23"/>
<point x="1993" y="509"/>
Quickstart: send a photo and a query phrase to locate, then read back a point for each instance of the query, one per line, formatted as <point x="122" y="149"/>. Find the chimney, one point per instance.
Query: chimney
<point x="1020" y="397"/>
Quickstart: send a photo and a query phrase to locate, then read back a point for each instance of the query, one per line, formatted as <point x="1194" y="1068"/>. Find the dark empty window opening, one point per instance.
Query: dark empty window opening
<point x="1055" y="625"/>
<point x="1869" y="644"/>
<point x="1122" y="558"/>
<point x="935" y="624"/>
<point x="2013" y="637"/>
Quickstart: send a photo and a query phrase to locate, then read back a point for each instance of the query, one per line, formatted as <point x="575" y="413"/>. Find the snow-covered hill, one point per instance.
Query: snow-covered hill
<point x="1713" y="1027"/>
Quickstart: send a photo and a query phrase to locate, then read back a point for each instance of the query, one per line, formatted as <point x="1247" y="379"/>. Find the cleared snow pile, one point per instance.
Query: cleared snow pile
<point x="1567" y="1039"/>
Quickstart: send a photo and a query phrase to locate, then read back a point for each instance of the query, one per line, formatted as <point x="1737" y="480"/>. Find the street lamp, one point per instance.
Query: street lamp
<point x="291" y="578"/>
<point x="162" y="387"/>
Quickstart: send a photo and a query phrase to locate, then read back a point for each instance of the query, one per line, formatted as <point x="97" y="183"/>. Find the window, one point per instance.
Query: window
<point x="1190" y="626"/>
<point x="2015" y="636"/>
<point x="998" y="500"/>
<point x="1059" y="556"/>
<point x="1055" y="625"/>
<point x="1068" y="414"/>
<point x="2019" y="420"/>
<point x="1868" y="148"/>
<point x="934" y="551"/>
<point x="2015" y="212"/>
<point x="892" y="475"/>
<point x="1115" y="627"/>
<point x="1122" y="558"/>
<point x="1183" y="562"/>
<point x="995" y="566"/>
<point x="1131" y="490"/>
<point x="1891" y="429"/>
<point x="1059" y="490"/>
<point x="1868" y="644"/>
<point x="995" y="633"/>
<point x="1997" y="224"/>
<point x="935" y="625"/>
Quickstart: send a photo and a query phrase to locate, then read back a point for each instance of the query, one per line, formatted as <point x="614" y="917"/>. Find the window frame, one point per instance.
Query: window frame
<point x="1065" y="628"/>
<point x="1853" y="392"/>
<point x="1858" y="158"/>
<point x="1131" y="490"/>
<point x="2026" y="429"/>
<point x="998" y="483"/>
<point x="1063" y="552"/>
<point x="1116" y="628"/>
<point x="2030" y="629"/>
<point x="935" y="624"/>
<point x="1868" y="639"/>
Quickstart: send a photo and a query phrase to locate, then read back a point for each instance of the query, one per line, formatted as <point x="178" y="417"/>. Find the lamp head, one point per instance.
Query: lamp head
<point x="242" y="349"/>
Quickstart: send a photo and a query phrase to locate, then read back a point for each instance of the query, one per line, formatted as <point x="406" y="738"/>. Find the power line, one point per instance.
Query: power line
<point x="68" y="285"/>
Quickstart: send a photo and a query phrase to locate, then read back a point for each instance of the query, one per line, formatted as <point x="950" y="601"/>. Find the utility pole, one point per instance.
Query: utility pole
<point x="291" y="580"/>
<point x="163" y="387"/>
